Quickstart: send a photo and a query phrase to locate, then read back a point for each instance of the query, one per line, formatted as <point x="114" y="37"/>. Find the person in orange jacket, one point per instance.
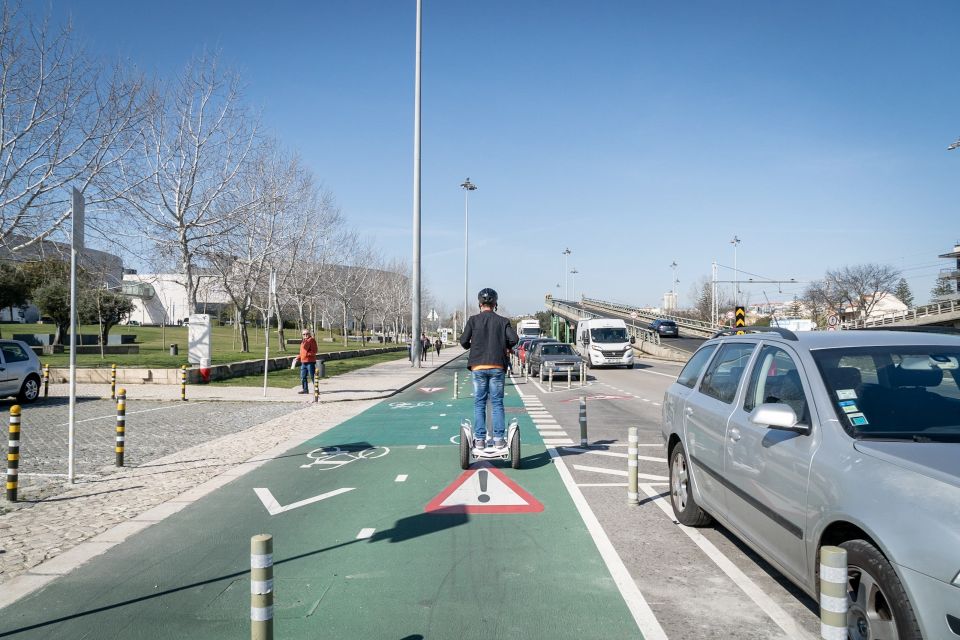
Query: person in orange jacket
<point x="308" y="360"/>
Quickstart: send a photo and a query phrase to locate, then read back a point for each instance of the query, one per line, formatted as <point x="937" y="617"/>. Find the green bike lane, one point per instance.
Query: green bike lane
<point x="368" y="562"/>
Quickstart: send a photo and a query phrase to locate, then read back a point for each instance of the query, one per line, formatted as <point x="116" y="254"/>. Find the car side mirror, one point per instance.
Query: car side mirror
<point x="777" y="415"/>
<point x="633" y="340"/>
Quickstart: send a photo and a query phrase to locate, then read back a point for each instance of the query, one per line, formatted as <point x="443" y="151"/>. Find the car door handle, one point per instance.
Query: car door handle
<point x="734" y="434"/>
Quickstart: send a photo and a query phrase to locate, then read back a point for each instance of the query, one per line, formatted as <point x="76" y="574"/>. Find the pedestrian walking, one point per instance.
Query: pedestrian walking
<point x="308" y="360"/>
<point x="424" y="347"/>
<point x="439" y="345"/>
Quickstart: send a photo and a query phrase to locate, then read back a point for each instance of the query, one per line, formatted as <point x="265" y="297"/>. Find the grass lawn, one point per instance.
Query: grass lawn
<point x="287" y="378"/>
<point x="154" y="343"/>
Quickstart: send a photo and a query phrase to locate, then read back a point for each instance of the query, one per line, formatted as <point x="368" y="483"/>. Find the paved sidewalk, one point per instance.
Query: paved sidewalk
<point x="369" y="383"/>
<point x="44" y="539"/>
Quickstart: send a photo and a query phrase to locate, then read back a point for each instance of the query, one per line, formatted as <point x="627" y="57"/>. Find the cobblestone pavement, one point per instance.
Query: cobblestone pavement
<point x="153" y="429"/>
<point x="176" y="452"/>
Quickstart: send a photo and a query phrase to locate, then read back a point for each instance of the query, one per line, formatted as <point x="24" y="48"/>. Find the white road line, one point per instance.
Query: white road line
<point x="601" y="452"/>
<point x="618" y="472"/>
<point x="443" y="415"/>
<point x="130" y="413"/>
<point x="434" y="427"/>
<point x="556" y="441"/>
<point x="421" y="446"/>
<point x="401" y="478"/>
<point x="755" y="593"/>
<point x="649" y="626"/>
<point x="602" y="484"/>
<point x="365" y="533"/>
<point x="657" y="373"/>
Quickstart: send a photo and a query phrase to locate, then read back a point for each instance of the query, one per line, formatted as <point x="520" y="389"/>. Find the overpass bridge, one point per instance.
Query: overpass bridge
<point x="945" y="314"/>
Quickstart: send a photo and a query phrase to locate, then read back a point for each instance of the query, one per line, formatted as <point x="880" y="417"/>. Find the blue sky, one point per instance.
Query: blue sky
<point x="635" y="133"/>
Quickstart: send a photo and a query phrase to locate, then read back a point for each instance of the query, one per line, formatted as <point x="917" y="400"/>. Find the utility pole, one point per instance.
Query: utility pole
<point x="467" y="187"/>
<point x="415" y="284"/>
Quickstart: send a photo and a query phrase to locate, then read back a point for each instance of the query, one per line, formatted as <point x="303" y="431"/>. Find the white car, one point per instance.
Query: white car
<point x="19" y="371"/>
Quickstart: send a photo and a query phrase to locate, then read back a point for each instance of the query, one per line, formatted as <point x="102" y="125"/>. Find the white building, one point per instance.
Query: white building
<point x="670" y="301"/>
<point x="162" y="297"/>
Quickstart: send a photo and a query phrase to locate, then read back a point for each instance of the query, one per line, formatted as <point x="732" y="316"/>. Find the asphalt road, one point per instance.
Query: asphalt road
<point x="699" y="583"/>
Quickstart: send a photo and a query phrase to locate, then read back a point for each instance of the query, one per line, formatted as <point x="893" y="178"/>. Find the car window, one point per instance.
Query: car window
<point x="723" y="375"/>
<point x="13" y="352"/>
<point x="556" y="350"/>
<point x="690" y="373"/>
<point x="775" y="378"/>
<point x="894" y="391"/>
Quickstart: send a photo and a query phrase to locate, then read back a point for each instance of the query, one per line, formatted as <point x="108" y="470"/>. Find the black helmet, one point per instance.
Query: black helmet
<point x="487" y="297"/>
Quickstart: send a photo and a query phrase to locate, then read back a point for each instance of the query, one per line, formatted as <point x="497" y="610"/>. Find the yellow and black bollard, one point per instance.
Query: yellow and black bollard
<point x="121" y="425"/>
<point x="261" y="587"/>
<point x="316" y="386"/>
<point x="113" y="382"/>
<point x="46" y="380"/>
<point x="13" y="453"/>
<point x="183" y="383"/>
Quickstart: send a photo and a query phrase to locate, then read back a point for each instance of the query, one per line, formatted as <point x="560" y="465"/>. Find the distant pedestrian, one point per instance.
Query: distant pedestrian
<point x="439" y="345"/>
<point x="308" y="360"/>
<point x="424" y="347"/>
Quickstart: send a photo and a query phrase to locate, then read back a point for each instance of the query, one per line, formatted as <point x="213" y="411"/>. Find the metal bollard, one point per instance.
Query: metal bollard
<point x="46" y="380"/>
<point x="456" y="385"/>
<point x="113" y="382"/>
<point x="321" y="369"/>
<point x="550" y="376"/>
<point x="583" y="375"/>
<point x="632" y="466"/>
<point x="183" y="382"/>
<point x="569" y="380"/>
<point x="121" y="425"/>
<point x="583" y="421"/>
<point x="526" y="372"/>
<point x="316" y="386"/>
<point x="261" y="587"/>
<point x="833" y="593"/>
<point x="13" y="453"/>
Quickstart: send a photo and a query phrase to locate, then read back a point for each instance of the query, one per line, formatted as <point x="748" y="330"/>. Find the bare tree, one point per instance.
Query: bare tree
<point x="350" y="274"/>
<point x="65" y="121"/>
<point x="196" y="146"/>
<point x="853" y="289"/>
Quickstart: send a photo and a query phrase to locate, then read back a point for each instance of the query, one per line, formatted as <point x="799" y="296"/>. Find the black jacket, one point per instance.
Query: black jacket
<point x="488" y="336"/>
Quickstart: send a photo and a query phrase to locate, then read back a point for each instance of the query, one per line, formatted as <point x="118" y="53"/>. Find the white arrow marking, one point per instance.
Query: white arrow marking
<point x="273" y="507"/>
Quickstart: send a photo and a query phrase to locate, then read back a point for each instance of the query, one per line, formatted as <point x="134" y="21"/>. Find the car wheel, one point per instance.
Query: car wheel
<point x="515" y="451"/>
<point x="630" y="366"/>
<point x="879" y="607"/>
<point x="30" y="390"/>
<point x="685" y="508"/>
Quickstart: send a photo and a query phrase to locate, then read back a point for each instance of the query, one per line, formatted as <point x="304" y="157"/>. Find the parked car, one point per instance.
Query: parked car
<point x="850" y="438"/>
<point x="554" y="356"/>
<point x="666" y="328"/>
<point x="19" y="371"/>
<point x="527" y="345"/>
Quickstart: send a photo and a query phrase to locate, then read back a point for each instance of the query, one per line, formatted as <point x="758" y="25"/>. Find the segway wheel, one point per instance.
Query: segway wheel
<point x="515" y="451"/>
<point x="464" y="452"/>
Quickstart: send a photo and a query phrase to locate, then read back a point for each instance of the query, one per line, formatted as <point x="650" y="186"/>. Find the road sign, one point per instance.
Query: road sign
<point x="730" y="315"/>
<point x="484" y="490"/>
<point x="634" y="315"/>
<point x="833" y="321"/>
<point x="433" y="315"/>
<point x="741" y="319"/>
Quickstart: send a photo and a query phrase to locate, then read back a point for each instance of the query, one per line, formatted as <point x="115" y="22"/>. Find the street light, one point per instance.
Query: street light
<point x="415" y="268"/>
<point x="736" y="279"/>
<point x="566" y="252"/>
<point x="574" y="273"/>
<point x="467" y="187"/>
<point x="673" y="284"/>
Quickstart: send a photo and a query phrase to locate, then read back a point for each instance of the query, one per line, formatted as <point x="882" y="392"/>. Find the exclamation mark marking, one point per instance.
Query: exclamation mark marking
<point x="482" y="475"/>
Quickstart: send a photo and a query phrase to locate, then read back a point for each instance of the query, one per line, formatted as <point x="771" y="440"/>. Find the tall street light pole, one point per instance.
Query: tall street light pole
<point x="736" y="274"/>
<point x="673" y="284"/>
<point x="566" y="252"/>
<point x="467" y="187"/>
<point x="415" y="345"/>
<point x="574" y="273"/>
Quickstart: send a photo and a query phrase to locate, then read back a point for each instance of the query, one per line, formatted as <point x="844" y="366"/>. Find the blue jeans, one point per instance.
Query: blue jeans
<point x="488" y="383"/>
<point x="307" y="370"/>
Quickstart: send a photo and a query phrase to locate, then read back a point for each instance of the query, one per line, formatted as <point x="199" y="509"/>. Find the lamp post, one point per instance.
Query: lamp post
<point x="566" y="252"/>
<point x="574" y="273"/>
<point x="673" y="285"/>
<point x="467" y="187"/>
<point x="415" y="280"/>
<point x="736" y="274"/>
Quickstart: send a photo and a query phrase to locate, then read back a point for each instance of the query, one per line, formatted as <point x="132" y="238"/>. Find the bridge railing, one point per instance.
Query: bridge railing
<point x="929" y="311"/>
<point x="575" y="311"/>
<point x="697" y="327"/>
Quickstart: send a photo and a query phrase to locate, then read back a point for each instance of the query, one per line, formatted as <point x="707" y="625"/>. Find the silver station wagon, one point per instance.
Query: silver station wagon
<point x="848" y="438"/>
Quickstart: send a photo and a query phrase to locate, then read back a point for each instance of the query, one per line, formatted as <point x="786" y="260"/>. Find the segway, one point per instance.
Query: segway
<point x="469" y="453"/>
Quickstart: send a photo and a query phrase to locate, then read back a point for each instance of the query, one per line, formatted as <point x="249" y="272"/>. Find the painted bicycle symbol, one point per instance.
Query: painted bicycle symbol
<point x="334" y="457"/>
<point x="410" y="405"/>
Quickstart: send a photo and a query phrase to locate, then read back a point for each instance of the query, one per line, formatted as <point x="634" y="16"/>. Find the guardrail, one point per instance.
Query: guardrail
<point x="916" y="314"/>
<point x="697" y="327"/>
<point x="578" y="312"/>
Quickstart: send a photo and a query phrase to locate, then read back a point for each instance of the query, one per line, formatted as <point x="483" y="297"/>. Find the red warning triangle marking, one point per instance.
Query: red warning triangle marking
<point x="485" y="489"/>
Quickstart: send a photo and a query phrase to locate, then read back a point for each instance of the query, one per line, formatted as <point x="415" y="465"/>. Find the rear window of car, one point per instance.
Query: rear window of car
<point x="667" y="323"/>
<point x="556" y="350"/>
<point x="690" y="373"/>
<point x="12" y="352"/>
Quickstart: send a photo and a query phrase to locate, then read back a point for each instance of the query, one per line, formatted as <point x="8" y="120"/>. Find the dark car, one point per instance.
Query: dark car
<point x="557" y="357"/>
<point x="526" y="346"/>
<point x="666" y="328"/>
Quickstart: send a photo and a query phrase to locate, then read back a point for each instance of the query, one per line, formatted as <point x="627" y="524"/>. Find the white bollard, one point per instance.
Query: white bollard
<point x="456" y="385"/>
<point x="833" y="593"/>
<point x="583" y="421"/>
<point x="632" y="488"/>
<point x="550" y="376"/>
<point x="261" y="587"/>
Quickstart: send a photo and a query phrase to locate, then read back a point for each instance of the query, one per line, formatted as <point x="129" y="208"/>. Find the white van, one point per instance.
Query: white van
<point x="528" y="328"/>
<point x="605" y="342"/>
